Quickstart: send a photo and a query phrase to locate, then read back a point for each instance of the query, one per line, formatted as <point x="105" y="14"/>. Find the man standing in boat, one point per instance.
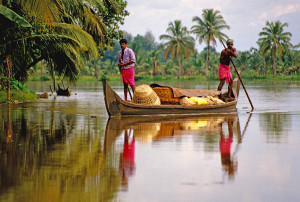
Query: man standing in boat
<point x="126" y="61"/>
<point x="224" y="70"/>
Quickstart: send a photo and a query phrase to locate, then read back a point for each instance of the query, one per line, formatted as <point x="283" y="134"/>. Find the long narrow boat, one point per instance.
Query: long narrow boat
<point x="116" y="106"/>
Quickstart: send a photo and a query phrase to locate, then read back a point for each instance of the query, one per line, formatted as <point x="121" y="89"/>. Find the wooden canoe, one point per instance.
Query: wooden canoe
<point x="116" y="106"/>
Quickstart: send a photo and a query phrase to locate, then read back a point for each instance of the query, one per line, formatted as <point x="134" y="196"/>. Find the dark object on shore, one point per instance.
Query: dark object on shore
<point x="63" y="92"/>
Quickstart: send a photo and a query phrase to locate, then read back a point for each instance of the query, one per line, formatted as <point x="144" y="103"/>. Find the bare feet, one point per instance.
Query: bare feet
<point x="230" y="99"/>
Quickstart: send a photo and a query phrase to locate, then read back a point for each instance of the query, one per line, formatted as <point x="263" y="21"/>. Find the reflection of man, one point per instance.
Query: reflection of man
<point x="127" y="166"/>
<point x="225" y="149"/>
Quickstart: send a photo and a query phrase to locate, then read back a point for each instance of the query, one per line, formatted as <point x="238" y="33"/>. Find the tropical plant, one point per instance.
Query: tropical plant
<point x="274" y="40"/>
<point x="256" y="61"/>
<point x="242" y="60"/>
<point x="62" y="33"/>
<point x="178" y="42"/>
<point x="208" y="29"/>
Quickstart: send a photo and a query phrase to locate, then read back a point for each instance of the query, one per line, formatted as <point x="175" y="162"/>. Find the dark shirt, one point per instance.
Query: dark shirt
<point x="226" y="55"/>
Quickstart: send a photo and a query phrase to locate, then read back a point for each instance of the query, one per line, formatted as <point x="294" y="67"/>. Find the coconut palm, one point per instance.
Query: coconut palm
<point x="178" y="42"/>
<point x="274" y="39"/>
<point x="256" y="61"/>
<point x="209" y="28"/>
<point x="63" y="30"/>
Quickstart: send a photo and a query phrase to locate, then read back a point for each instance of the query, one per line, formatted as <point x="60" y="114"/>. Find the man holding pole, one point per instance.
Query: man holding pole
<point x="126" y="61"/>
<point x="224" y="70"/>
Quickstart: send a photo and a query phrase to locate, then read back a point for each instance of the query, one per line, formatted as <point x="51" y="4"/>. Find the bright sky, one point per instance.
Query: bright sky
<point x="245" y="18"/>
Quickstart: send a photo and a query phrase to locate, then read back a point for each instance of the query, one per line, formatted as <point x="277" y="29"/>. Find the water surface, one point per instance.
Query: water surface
<point x="68" y="149"/>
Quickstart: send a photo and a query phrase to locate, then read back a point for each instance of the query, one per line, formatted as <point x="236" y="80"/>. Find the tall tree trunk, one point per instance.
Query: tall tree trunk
<point x="179" y="64"/>
<point x="41" y="66"/>
<point x="53" y="78"/>
<point x="8" y="66"/>
<point x="154" y="66"/>
<point x="96" y="71"/>
<point x="207" y="59"/>
<point x="274" y="66"/>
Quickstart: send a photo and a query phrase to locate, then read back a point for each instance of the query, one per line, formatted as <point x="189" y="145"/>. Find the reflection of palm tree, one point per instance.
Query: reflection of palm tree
<point x="178" y="42"/>
<point x="209" y="28"/>
<point x="9" y="131"/>
<point x="69" y="159"/>
<point x="276" y="125"/>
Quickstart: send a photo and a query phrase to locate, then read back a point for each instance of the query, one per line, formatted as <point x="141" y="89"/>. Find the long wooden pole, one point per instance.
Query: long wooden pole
<point x="129" y="92"/>
<point x="252" y="108"/>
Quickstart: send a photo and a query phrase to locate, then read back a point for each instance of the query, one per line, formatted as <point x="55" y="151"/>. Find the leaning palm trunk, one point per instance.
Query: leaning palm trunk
<point x="207" y="60"/>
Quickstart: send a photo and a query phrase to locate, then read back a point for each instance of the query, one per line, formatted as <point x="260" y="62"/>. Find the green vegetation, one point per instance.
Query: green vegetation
<point x="18" y="92"/>
<point x="63" y="41"/>
<point x="178" y="44"/>
<point x="208" y="29"/>
<point x="19" y="96"/>
<point x="275" y="40"/>
<point x="60" y="34"/>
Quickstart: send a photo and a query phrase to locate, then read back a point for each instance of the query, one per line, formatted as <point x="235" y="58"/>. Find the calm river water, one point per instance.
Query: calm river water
<point x="67" y="149"/>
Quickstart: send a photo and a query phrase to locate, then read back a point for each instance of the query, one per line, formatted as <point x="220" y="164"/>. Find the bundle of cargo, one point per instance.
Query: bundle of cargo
<point x="170" y="95"/>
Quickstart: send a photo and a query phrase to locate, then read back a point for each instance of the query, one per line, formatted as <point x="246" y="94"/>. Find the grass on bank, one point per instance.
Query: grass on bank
<point x="245" y="76"/>
<point x="20" y="96"/>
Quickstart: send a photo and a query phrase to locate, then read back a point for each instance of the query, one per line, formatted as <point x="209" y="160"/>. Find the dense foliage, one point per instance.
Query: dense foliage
<point x="49" y="40"/>
<point x="59" y="33"/>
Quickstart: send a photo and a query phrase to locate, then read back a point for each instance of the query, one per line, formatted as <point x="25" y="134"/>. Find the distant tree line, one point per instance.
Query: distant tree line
<point x="64" y="39"/>
<point x="175" y="55"/>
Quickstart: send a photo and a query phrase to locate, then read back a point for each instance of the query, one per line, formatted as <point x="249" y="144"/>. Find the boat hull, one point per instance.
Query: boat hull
<point x="118" y="107"/>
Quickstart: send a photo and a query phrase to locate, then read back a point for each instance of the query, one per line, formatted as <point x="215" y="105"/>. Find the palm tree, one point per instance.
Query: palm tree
<point x="9" y="19"/>
<point x="63" y="32"/>
<point x="178" y="42"/>
<point x="209" y="28"/>
<point x="274" y="39"/>
<point x="154" y="54"/>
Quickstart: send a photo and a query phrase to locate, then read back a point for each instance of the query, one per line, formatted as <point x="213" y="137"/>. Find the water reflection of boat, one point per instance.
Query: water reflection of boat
<point x="155" y="128"/>
<point x="223" y="130"/>
<point x="116" y="106"/>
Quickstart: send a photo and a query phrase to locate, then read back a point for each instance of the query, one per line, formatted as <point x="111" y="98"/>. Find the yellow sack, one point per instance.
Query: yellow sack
<point x="198" y="100"/>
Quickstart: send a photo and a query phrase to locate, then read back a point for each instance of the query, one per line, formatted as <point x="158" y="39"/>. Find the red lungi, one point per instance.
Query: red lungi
<point x="224" y="73"/>
<point x="128" y="76"/>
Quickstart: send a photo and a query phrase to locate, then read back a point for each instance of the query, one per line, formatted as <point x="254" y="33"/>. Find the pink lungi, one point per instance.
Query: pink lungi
<point x="128" y="76"/>
<point x="224" y="73"/>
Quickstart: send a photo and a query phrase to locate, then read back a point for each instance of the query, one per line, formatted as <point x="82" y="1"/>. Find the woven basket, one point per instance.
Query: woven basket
<point x="144" y="94"/>
<point x="165" y="95"/>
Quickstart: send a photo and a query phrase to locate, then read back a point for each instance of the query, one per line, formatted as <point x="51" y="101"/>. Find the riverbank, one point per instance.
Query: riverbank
<point x="18" y="96"/>
<point x="245" y="76"/>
